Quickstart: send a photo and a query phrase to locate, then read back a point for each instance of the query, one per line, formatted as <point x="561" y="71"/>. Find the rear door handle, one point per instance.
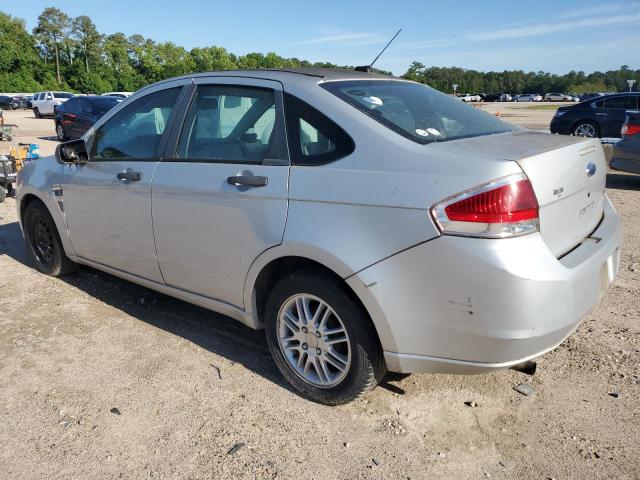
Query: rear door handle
<point x="603" y="114"/>
<point x="130" y="176"/>
<point x="248" y="180"/>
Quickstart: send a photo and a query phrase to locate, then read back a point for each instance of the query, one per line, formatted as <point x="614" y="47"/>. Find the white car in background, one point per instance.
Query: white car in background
<point x="466" y="97"/>
<point x="44" y="102"/>
<point x="529" y="97"/>
<point x="118" y="94"/>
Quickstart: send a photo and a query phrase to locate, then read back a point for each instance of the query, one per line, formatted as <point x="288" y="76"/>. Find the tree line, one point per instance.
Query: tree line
<point x="518" y="81"/>
<point x="69" y="53"/>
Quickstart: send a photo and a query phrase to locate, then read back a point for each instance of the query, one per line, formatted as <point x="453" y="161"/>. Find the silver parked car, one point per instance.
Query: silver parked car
<point x="368" y="223"/>
<point x="528" y="97"/>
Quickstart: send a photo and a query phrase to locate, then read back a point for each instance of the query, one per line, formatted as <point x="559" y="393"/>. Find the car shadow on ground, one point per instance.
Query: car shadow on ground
<point x="211" y="331"/>
<point x="51" y="138"/>
<point x="621" y="181"/>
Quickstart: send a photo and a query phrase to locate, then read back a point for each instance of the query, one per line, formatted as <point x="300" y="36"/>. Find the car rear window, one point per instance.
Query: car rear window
<point x="62" y="95"/>
<point x="416" y="111"/>
<point x="103" y="105"/>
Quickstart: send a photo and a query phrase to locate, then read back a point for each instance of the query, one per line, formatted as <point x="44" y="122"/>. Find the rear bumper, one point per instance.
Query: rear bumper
<point x="625" y="164"/>
<point x="463" y="305"/>
<point x="558" y="125"/>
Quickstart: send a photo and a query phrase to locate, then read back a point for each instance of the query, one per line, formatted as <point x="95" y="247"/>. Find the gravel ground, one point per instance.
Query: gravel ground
<point x="100" y="378"/>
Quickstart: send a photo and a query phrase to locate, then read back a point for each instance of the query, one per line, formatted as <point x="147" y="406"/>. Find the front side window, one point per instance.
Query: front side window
<point x="135" y="131"/>
<point x="626" y="102"/>
<point x="416" y="111"/>
<point x="232" y="124"/>
<point x="313" y="137"/>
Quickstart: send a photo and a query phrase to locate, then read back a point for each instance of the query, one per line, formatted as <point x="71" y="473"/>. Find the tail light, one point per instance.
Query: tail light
<point x="629" y="129"/>
<point x="506" y="207"/>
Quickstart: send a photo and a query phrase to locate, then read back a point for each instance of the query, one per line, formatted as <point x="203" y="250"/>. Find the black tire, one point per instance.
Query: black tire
<point x="36" y="112"/>
<point x="60" y="133"/>
<point x="586" y="124"/>
<point x="43" y="242"/>
<point x="9" y="189"/>
<point x="3" y="194"/>
<point x="367" y="365"/>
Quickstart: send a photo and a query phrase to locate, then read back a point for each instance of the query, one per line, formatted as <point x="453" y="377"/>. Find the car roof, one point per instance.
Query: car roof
<point x="290" y="75"/>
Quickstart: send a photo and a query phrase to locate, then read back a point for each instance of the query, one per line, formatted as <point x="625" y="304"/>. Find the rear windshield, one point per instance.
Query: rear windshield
<point x="62" y="95"/>
<point x="416" y="111"/>
<point x="103" y="105"/>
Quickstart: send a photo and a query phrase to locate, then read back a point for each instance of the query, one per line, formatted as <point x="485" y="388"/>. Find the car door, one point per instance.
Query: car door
<point x="616" y="109"/>
<point x="47" y="104"/>
<point x="107" y="201"/>
<point x="220" y="195"/>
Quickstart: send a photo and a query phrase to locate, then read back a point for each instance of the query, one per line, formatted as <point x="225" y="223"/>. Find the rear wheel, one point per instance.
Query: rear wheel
<point x="321" y="339"/>
<point x="43" y="242"/>
<point x="3" y="194"/>
<point x="62" y="136"/>
<point x="586" y="128"/>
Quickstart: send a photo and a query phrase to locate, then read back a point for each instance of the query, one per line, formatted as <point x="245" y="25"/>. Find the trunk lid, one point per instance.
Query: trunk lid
<point x="568" y="175"/>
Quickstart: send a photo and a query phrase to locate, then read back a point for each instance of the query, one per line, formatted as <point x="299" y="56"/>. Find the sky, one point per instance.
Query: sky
<point x="552" y="36"/>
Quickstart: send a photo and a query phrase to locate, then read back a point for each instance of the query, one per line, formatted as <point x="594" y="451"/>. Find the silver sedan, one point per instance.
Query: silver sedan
<point x="367" y="223"/>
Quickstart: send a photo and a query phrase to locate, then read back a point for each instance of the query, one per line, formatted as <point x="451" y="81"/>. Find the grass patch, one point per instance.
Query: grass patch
<point x="542" y="107"/>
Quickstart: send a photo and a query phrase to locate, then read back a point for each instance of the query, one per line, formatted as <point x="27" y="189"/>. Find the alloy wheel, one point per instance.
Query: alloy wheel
<point x="313" y="340"/>
<point x="585" y="130"/>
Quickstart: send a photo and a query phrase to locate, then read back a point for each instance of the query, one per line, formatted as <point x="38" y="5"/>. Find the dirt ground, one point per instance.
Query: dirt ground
<point x="102" y="379"/>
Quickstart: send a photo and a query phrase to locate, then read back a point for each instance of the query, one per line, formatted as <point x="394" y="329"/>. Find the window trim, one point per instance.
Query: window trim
<point x="163" y="139"/>
<point x="295" y="108"/>
<point x="171" y="150"/>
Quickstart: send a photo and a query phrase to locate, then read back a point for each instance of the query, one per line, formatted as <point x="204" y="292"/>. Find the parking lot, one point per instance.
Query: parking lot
<point x="100" y="378"/>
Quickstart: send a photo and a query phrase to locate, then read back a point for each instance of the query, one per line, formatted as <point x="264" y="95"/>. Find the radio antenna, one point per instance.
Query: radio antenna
<point x="369" y="68"/>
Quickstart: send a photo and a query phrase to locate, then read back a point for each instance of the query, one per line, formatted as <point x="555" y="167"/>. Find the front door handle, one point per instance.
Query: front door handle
<point x="130" y="176"/>
<point x="248" y="180"/>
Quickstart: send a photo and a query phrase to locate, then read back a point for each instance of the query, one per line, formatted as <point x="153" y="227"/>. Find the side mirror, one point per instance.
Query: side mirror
<point x="73" y="152"/>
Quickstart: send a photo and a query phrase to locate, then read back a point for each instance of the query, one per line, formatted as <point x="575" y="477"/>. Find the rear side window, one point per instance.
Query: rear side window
<point x="135" y="131"/>
<point x="230" y="124"/>
<point x="62" y="95"/>
<point x="416" y="111"/>
<point x="84" y="106"/>
<point x="69" y="107"/>
<point x="627" y="102"/>
<point x="313" y="137"/>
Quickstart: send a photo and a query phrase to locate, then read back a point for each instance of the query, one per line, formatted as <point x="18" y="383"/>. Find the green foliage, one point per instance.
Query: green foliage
<point x="517" y="81"/>
<point x="70" y="54"/>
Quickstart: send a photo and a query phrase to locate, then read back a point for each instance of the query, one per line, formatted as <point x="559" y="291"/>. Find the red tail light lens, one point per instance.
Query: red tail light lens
<point x="504" y="208"/>
<point x="630" y="129"/>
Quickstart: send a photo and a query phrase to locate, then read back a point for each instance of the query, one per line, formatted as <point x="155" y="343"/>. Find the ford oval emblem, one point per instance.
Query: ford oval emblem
<point x="591" y="170"/>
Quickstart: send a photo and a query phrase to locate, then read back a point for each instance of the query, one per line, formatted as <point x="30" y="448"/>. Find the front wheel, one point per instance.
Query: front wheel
<point x="43" y="242"/>
<point x="36" y="112"/>
<point x="322" y="341"/>
<point x="3" y="194"/>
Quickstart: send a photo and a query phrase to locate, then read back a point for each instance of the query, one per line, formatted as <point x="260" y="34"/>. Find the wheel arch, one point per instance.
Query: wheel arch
<point x="33" y="195"/>
<point x="268" y="269"/>
<point x="587" y="120"/>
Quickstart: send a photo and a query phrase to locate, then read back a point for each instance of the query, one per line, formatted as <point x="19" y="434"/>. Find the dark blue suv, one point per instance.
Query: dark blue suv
<point x="596" y="117"/>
